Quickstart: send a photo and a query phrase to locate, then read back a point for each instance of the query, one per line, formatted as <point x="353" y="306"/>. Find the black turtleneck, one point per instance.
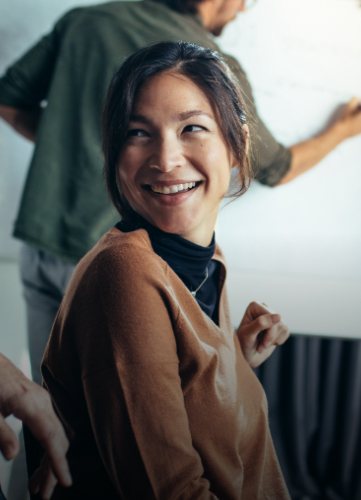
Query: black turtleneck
<point x="187" y="259"/>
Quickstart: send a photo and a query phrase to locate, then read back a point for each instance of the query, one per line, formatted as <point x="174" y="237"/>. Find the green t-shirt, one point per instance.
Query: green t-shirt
<point x="64" y="207"/>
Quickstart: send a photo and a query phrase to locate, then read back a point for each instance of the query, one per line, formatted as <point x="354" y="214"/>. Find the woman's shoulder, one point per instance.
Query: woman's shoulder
<point x="126" y="253"/>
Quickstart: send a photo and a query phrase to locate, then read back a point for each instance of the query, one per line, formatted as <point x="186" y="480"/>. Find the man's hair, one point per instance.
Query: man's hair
<point x="184" y="6"/>
<point x="202" y="66"/>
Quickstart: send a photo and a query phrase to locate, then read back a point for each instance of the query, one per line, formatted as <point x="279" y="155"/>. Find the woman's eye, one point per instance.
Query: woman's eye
<point x="194" y="128"/>
<point x="137" y="132"/>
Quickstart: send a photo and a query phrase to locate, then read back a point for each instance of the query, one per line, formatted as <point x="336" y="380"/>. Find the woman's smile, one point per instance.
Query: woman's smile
<point x="171" y="194"/>
<point x="171" y="189"/>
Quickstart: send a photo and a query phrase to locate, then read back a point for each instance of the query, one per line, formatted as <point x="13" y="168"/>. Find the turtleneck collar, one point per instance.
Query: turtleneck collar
<point x="191" y="262"/>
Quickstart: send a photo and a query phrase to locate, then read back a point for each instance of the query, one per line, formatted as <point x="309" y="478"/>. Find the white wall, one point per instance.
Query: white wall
<point x="298" y="247"/>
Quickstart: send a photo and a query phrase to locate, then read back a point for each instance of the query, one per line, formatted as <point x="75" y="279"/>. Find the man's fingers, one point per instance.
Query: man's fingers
<point x="52" y="437"/>
<point x="48" y="486"/>
<point x="43" y="481"/>
<point x="35" y="481"/>
<point x="31" y="403"/>
<point x="42" y="421"/>
<point x="9" y="444"/>
<point x="354" y="104"/>
<point x="56" y="445"/>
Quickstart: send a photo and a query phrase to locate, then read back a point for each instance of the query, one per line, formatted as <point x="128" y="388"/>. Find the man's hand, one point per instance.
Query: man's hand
<point x="346" y="123"/>
<point x="349" y="118"/>
<point x="25" y="122"/>
<point x="29" y="402"/>
<point x="260" y="332"/>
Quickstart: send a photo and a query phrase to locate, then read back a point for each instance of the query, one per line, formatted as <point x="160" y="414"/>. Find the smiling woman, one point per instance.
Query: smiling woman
<point x="158" y="388"/>
<point x="175" y="166"/>
<point x="200" y="70"/>
<point x="174" y="133"/>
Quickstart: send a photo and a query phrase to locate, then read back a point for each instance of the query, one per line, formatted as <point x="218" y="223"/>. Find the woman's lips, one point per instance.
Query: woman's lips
<point x="171" y="189"/>
<point x="172" y="194"/>
<point x="174" y="188"/>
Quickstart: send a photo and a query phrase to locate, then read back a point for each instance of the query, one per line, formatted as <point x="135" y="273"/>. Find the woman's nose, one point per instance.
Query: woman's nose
<point x="167" y="155"/>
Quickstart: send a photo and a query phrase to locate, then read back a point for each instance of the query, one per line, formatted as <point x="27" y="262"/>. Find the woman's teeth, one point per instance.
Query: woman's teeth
<point x="176" y="188"/>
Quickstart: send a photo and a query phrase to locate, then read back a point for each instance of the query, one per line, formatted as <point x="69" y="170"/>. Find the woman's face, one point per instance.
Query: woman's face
<point x="175" y="166"/>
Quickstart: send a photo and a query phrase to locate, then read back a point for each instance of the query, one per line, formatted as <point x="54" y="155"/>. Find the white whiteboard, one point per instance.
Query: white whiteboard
<point x="296" y="247"/>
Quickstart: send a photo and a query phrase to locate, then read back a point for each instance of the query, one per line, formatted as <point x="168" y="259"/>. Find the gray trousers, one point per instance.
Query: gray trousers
<point x="44" y="277"/>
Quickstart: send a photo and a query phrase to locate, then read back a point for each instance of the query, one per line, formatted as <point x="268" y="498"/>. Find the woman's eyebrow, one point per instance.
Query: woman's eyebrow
<point x="139" y="118"/>
<point x="184" y="115"/>
<point x="194" y="112"/>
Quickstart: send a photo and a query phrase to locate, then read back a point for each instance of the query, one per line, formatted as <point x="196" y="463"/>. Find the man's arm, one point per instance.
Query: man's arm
<point x="24" y="121"/>
<point x="29" y="402"/>
<point x="307" y="154"/>
<point x="25" y="84"/>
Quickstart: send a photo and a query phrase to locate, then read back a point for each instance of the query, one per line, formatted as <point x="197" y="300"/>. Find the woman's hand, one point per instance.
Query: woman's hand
<point x="260" y="332"/>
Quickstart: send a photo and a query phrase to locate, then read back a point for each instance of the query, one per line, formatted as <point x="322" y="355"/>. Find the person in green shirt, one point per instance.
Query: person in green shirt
<point x="53" y="95"/>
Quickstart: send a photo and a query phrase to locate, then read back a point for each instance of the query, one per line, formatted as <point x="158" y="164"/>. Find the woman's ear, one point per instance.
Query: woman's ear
<point x="245" y="129"/>
<point x="247" y="139"/>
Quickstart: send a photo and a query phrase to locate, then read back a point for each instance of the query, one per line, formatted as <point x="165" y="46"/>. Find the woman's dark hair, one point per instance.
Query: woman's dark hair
<point x="207" y="70"/>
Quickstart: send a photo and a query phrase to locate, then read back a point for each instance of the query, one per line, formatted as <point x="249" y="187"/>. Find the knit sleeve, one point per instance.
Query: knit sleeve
<point x="270" y="159"/>
<point x="134" y="394"/>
